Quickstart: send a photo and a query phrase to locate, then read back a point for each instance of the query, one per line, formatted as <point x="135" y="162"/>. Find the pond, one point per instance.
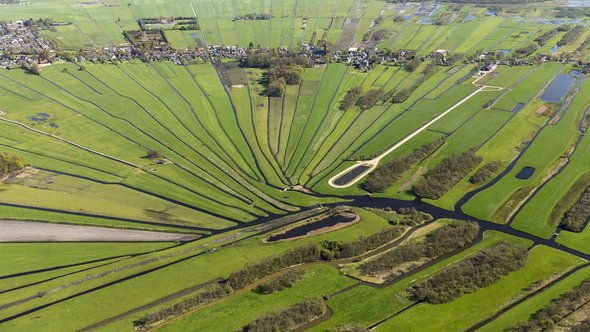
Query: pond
<point x="350" y="176"/>
<point x="558" y="88"/>
<point x="305" y="229"/>
<point x="525" y="173"/>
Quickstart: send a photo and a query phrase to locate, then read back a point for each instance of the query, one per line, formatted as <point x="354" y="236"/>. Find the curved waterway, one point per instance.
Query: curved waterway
<point x="307" y="228"/>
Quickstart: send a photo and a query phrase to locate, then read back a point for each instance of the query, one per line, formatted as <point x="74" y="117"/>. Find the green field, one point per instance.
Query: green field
<point x="206" y="148"/>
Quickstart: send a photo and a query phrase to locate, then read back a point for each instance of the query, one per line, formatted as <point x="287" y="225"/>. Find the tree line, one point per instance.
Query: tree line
<point x="386" y="175"/>
<point x="542" y="39"/>
<point x="571" y="36"/>
<point x="577" y="217"/>
<point x="467" y="276"/>
<point x="313" y="252"/>
<point x="399" y="96"/>
<point x="211" y="294"/>
<point x="486" y="172"/>
<point x="437" y="243"/>
<point x="331" y="250"/>
<point x="253" y="17"/>
<point x="279" y="283"/>
<point x="290" y="318"/>
<point x="264" y="59"/>
<point x="10" y="163"/>
<point x="566" y="304"/>
<point x="326" y="250"/>
<point x="446" y="174"/>
<point x="355" y="97"/>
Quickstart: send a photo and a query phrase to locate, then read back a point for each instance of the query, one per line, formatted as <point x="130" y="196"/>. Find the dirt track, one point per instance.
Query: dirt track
<point x="26" y="231"/>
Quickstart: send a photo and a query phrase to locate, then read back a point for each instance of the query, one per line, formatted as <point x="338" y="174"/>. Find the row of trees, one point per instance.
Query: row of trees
<point x="399" y="96"/>
<point x="290" y="318"/>
<point x="480" y="270"/>
<point x="437" y="243"/>
<point x="272" y="58"/>
<point x="279" y="283"/>
<point x="571" y="36"/>
<point x="571" y="12"/>
<point x="546" y="318"/>
<point x="386" y="175"/>
<point x="253" y="16"/>
<point x="446" y="174"/>
<point x="10" y="163"/>
<point x="486" y="172"/>
<point x="542" y="39"/>
<point x="356" y="97"/>
<point x="305" y="254"/>
<point x="337" y="250"/>
<point x="577" y="217"/>
<point x="351" y="97"/>
<point x="369" y="99"/>
<point x="312" y="252"/>
<point x="211" y="294"/>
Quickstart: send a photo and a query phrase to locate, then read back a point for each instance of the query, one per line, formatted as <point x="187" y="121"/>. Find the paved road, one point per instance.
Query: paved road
<point x="372" y="164"/>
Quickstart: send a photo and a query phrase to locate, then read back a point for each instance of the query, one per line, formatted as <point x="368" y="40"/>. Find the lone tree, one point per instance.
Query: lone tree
<point x="154" y="154"/>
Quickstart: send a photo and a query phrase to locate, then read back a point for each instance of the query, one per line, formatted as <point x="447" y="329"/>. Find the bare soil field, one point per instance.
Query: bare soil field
<point x="26" y="231"/>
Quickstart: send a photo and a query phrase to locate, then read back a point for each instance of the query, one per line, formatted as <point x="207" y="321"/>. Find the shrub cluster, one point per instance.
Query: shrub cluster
<point x="10" y="163"/>
<point x="213" y="293"/>
<point x="583" y="326"/>
<point x="287" y="280"/>
<point x="291" y="73"/>
<point x="290" y="318"/>
<point x="280" y="76"/>
<point x="556" y="310"/>
<point x="439" y="242"/>
<point x="571" y="35"/>
<point x="369" y="99"/>
<point x="577" y="217"/>
<point x="401" y="96"/>
<point x="413" y="64"/>
<point x="404" y="216"/>
<point x="481" y="270"/>
<point x="527" y="49"/>
<point x="391" y="171"/>
<point x="446" y="174"/>
<point x="486" y="172"/>
<point x="352" y="96"/>
<point x="349" y="328"/>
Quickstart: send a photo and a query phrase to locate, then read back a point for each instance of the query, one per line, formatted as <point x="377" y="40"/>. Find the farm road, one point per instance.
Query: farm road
<point x="372" y="164"/>
<point x="25" y="231"/>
